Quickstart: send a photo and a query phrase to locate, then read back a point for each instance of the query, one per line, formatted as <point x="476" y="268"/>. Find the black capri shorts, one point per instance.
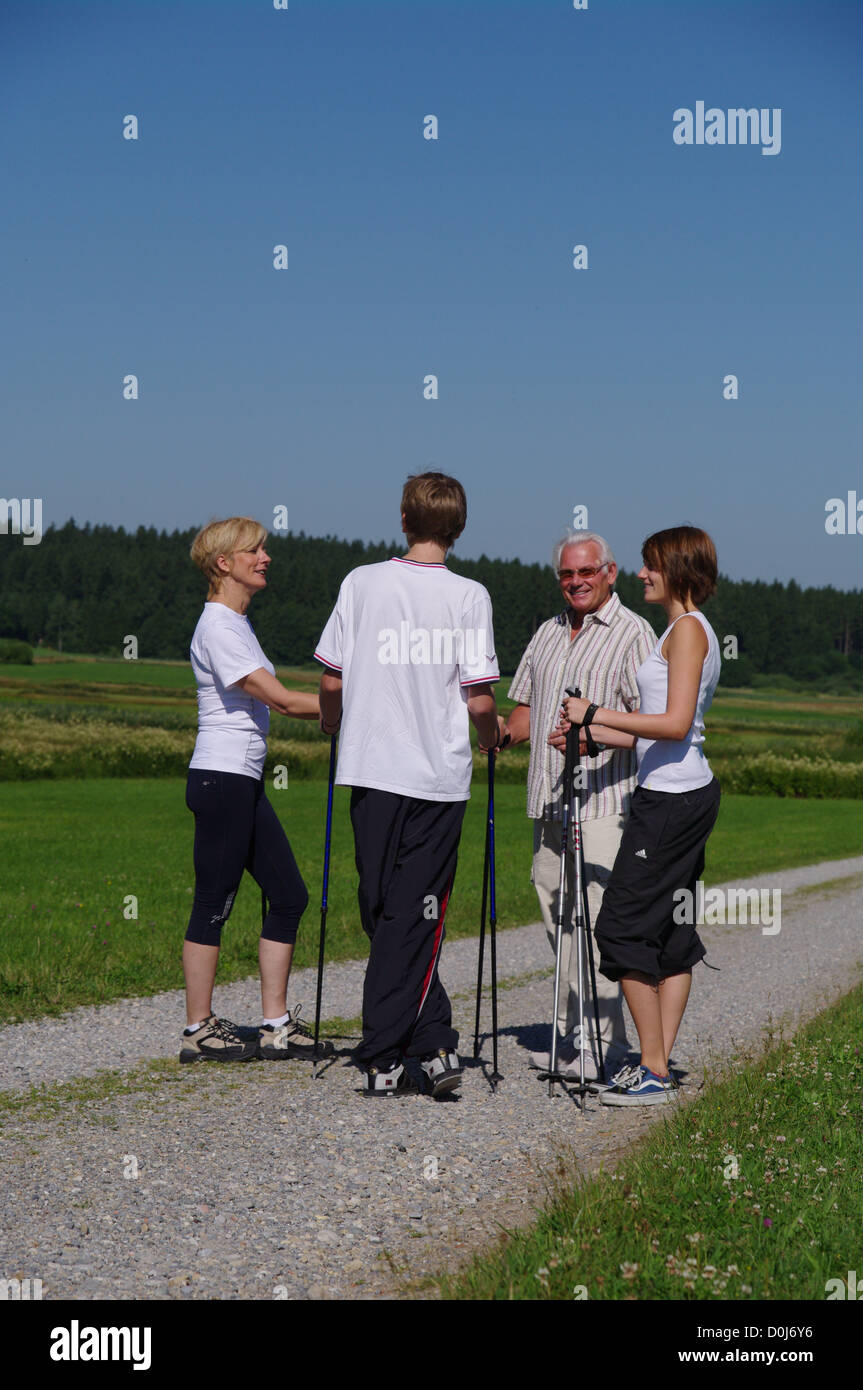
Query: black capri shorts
<point x="661" y="851"/>
<point x="236" y="828"/>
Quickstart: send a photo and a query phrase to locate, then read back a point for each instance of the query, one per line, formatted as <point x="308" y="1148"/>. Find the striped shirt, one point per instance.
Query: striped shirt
<point x="601" y="660"/>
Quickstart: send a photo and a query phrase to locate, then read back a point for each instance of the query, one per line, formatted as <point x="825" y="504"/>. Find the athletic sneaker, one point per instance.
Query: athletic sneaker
<point x="217" y="1040"/>
<point x="643" y="1087"/>
<point x="291" y="1039"/>
<point x="442" y="1071"/>
<point x="388" y="1081"/>
<point x="621" y="1078"/>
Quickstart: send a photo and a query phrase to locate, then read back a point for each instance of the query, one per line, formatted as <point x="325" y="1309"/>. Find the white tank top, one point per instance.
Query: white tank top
<point x="672" y="765"/>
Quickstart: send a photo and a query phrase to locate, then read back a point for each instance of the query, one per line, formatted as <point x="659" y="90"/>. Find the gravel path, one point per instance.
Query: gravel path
<point x="261" y="1182"/>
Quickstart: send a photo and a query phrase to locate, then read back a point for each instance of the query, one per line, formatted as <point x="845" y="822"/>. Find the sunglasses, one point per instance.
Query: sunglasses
<point x="586" y="572"/>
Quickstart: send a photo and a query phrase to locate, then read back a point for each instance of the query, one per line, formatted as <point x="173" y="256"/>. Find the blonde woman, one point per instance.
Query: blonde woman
<point x="236" y="828"/>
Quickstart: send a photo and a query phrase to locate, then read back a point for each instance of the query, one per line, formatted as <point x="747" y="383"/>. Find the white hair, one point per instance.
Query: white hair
<point x="606" y="556"/>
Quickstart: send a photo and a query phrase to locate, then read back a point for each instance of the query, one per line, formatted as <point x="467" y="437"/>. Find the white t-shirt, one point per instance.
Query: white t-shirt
<point x="408" y="640"/>
<point x="676" y="765"/>
<point x="232" y="726"/>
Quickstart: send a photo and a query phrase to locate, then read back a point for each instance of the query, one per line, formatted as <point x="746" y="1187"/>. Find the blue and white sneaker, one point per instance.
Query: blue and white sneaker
<point x="620" y="1078"/>
<point x="641" y="1087"/>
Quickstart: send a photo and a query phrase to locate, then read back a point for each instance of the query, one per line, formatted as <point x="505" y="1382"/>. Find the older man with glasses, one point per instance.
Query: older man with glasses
<point x="597" y="645"/>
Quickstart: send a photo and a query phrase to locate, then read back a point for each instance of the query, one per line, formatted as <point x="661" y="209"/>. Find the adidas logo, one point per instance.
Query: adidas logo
<point x="641" y="854"/>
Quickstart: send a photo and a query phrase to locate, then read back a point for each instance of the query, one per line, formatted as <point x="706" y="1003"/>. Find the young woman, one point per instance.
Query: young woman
<point x="674" y="809"/>
<point x="236" y="828"/>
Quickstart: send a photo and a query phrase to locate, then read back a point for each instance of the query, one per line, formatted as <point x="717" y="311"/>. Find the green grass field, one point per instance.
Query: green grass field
<point x="73" y="851"/>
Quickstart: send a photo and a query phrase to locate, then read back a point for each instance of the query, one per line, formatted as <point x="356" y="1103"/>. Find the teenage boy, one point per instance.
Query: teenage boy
<point x="409" y="652"/>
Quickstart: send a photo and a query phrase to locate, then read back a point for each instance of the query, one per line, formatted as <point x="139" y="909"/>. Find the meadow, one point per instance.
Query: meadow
<point x="95" y="829"/>
<point x="88" y="717"/>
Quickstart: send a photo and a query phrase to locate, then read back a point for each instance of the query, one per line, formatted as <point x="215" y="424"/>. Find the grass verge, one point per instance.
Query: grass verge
<point x="751" y="1191"/>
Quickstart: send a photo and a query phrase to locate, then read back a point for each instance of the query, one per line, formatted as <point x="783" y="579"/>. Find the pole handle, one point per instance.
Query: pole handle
<point x="592" y="745"/>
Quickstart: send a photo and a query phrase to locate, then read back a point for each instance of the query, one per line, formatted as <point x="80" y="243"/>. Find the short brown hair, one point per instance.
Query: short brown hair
<point x="223" y="538"/>
<point x="686" y="558"/>
<point x="434" y="507"/>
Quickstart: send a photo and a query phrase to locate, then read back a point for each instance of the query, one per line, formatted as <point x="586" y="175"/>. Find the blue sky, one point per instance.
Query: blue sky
<point x="409" y="256"/>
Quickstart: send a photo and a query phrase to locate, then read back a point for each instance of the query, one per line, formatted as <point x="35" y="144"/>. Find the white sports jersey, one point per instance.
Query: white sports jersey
<point x="408" y="640"/>
<point x="232" y="726"/>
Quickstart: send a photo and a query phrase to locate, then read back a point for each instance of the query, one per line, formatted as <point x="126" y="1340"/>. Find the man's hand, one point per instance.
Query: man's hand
<point x="557" y="737"/>
<point x="500" y="745"/>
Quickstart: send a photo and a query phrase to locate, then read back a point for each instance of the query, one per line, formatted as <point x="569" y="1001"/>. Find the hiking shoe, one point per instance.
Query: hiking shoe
<point x="291" y="1039"/>
<point x="388" y="1081"/>
<point x="567" y="1066"/>
<point x="642" y="1087"/>
<point x="442" y="1071"/>
<point x="218" y="1040"/>
<point x="568" y="1058"/>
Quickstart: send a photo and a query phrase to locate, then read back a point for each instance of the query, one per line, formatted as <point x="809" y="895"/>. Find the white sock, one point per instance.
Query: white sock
<point x="193" y="1027"/>
<point x="277" y="1022"/>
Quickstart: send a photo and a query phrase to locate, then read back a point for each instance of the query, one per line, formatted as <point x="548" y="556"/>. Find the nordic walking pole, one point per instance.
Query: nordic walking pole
<point x="553" y="1074"/>
<point x="492" y="920"/>
<point x="481" y="961"/>
<point x="579" y="903"/>
<point x="590" y="963"/>
<point x="324" y="891"/>
<point x="582" y="914"/>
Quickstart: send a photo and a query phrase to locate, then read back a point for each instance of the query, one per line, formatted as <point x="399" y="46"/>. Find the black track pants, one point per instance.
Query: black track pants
<point x="406" y="853"/>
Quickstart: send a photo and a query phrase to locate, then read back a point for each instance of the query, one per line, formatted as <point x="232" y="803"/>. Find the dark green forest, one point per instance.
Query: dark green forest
<point x="84" y="588"/>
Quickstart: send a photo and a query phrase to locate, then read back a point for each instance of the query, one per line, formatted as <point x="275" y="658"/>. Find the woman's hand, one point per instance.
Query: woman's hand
<point x="574" y="709"/>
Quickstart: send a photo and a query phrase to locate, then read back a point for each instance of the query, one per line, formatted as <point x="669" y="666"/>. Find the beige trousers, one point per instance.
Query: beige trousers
<point x="600" y="838"/>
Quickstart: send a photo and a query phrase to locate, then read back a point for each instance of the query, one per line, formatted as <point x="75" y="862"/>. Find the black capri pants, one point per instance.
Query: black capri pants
<point x="661" y="851"/>
<point x="236" y="828"/>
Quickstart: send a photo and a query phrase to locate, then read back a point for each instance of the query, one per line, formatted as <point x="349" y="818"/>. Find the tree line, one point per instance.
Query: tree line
<point x="86" y="588"/>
